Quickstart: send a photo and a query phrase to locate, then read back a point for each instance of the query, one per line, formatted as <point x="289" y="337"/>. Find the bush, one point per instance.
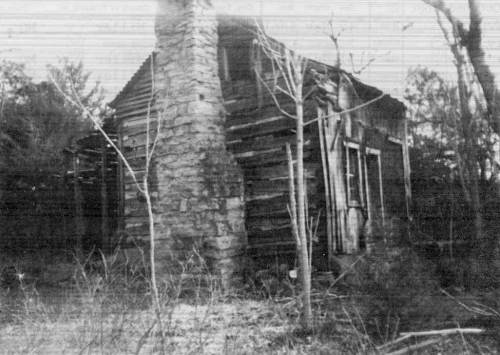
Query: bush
<point x="397" y="291"/>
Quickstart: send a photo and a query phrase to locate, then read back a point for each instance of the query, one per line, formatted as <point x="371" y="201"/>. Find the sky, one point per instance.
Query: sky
<point x="113" y="37"/>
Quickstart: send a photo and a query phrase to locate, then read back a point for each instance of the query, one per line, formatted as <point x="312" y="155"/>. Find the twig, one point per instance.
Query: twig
<point x="477" y="310"/>
<point x="412" y="348"/>
<point x="445" y="332"/>
<point x="77" y="103"/>
<point x="348" y="110"/>
<point x="442" y="332"/>
<point x="335" y="39"/>
<point x="394" y="342"/>
<point x="273" y="96"/>
<point x="144" y="337"/>
<point x="345" y="272"/>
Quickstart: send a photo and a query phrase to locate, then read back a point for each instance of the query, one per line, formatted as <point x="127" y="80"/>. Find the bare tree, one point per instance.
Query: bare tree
<point x="66" y="87"/>
<point x="470" y="39"/>
<point x="477" y="87"/>
<point x="288" y="71"/>
<point x="473" y="76"/>
<point x="469" y="124"/>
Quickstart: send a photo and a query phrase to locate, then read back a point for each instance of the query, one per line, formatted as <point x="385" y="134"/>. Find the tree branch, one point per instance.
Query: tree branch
<point x="273" y="96"/>
<point x="441" y="6"/>
<point x="78" y="104"/>
<point x="477" y="57"/>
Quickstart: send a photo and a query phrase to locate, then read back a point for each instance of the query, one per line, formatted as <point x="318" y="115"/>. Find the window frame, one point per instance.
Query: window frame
<point x="377" y="153"/>
<point x="350" y="202"/>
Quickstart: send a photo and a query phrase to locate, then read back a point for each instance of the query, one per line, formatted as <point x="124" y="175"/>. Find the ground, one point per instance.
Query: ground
<point x="67" y="307"/>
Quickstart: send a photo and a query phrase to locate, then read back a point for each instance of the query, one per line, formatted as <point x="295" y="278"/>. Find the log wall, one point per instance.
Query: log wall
<point x="256" y="134"/>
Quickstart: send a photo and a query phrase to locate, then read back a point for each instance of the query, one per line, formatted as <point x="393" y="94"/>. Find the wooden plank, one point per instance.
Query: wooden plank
<point x="328" y="193"/>
<point x="137" y="113"/>
<point x="141" y="100"/>
<point x="260" y="224"/>
<point x="278" y="172"/>
<point x="268" y="250"/>
<point x="267" y="159"/>
<point x="279" y="125"/>
<point x="264" y="142"/>
<point x="278" y="234"/>
<point x="275" y="244"/>
<point x="247" y="104"/>
<point x="275" y="187"/>
<point x="143" y="90"/>
<point x="267" y="213"/>
<point x="138" y="127"/>
<point x="133" y="107"/>
<point x="246" y="117"/>
<point x="258" y="187"/>
<point x="133" y="99"/>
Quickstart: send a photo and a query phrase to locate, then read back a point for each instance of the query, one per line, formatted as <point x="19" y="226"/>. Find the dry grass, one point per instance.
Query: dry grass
<point x="103" y="307"/>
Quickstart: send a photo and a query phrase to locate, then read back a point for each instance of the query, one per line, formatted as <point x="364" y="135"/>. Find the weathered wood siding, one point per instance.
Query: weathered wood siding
<point x="257" y="137"/>
<point x="256" y="134"/>
<point x="131" y="112"/>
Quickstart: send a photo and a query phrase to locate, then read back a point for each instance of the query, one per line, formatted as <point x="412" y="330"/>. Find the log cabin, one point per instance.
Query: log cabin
<point x="219" y="174"/>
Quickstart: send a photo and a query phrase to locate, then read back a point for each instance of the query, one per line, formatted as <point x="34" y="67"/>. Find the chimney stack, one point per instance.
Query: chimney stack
<point x="200" y="185"/>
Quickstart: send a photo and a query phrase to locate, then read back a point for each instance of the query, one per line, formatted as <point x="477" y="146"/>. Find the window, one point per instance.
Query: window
<point x="373" y="180"/>
<point x="353" y="175"/>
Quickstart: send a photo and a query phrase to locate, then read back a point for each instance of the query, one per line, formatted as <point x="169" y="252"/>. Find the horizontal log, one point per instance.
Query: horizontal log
<point x="266" y="250"/>
<point x="133" y="98"/>
<point x="241" y="105"/>
<point x="279" y="234"/>
<point x="249" y="117"/>
<point x="266" y="159"/>
<point x="137" y="128"/>
<point x="277" y="172"/>
<point x="258" y="187"/>
<point x="264" y="142"/>
<point x="138" y="113"/>
<point x="274" y="244"/>
<point x="259" y="224"/>
<point x="135" y="106"/>
<point x="266" y="127"/>
<point x="142" y="90"/>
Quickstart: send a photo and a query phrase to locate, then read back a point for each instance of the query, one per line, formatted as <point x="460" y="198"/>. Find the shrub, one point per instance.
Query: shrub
<point x="397" y="291"/>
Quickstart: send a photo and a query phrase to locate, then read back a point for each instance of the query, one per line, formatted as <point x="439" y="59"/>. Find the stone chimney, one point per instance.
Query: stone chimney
<point x="200" y="185"/>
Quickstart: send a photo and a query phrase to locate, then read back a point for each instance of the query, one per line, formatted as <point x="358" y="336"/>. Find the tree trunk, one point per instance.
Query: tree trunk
<point x="476" y="206"/>
<point x="471" y="39"/>
<point x="477" y="57"/>
<point x="79" y="221"/>
<point x="104" y="198"/>
<point x="304" y="257"/>
<point x="292" y="199"/>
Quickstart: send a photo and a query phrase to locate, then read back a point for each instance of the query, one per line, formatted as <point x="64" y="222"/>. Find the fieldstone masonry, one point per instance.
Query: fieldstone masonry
<point x="200" y="187"/>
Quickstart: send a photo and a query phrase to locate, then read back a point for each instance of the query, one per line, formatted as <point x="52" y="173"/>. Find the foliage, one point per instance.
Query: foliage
<point x="397" y="293"/>
<point x="451" y="146"/>
<point x="36" y="123"/>
<point x="73" y="80"/>
<point x="436" y="128"/>
<point x="14" y="125"/>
